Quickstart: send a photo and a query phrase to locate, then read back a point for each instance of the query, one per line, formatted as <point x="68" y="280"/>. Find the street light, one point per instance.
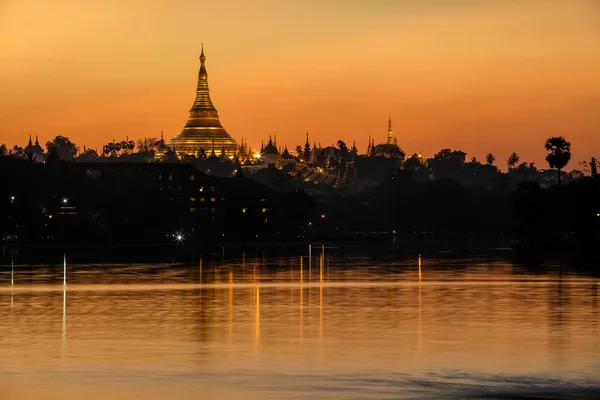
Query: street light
<point x="12" y="199"/>
<point x="65" y="201"/>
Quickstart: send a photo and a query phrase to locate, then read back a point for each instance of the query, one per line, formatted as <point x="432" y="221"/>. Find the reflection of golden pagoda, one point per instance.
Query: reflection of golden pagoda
<point x="203" y="128"/>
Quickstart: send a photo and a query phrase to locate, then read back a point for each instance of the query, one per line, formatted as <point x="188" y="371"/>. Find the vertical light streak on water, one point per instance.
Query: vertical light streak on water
<point x="419" y="322"/>
<point x="257" y="318"/>
<point x="65" y="269"/>
<point x="230" y="305"/>
<point x="301" y="312"/>
<point x="301" y="274"/>
<point x="12" y="269"/>
<point x="420" y="276"/>
<point x="321" y="317"/>
<point x="64" y="323"/>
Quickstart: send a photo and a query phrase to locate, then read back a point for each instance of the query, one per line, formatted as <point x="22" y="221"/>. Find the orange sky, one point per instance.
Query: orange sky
<point x="476" y="75"/>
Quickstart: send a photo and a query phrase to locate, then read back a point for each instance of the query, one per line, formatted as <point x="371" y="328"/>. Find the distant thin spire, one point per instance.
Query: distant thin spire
<point x="30" y="143"/>
<point x="390" y="138"/>
<point x="37" y="143"/>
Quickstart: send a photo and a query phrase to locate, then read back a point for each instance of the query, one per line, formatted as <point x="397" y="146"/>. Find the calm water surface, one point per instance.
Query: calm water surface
<point x="256" y="327"/>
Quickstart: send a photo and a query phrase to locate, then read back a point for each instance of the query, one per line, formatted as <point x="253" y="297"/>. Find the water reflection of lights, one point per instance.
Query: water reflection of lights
<point x="64" y="322"/>
<point x="257" y="317"/>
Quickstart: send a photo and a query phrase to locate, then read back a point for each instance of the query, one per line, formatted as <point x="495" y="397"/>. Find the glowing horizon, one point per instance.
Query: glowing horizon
<point x="479" y="76"/>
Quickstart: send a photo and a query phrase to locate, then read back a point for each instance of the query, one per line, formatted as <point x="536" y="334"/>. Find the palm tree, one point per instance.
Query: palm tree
<point x="559" y="153"/>
<point x="490" y="159"/>
<point x="474" y="160"/>
<point x="513" y="160"/>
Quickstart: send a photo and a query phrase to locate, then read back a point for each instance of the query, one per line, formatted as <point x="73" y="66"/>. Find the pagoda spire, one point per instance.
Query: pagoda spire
<point x="30" y="142"/>
<point x="37" y="142"/>
<point x="203" y="125"/>
<point x="390" y="138"/>
<point x="203" y="102"/>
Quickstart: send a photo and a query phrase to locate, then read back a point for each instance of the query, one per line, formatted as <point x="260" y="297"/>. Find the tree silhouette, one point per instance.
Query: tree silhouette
<point x="88" y="155"/>
<point x="53" y="156"/>
<point x="65" y="149"/>
<point x="490" y="159"/>
<point x="343" y="148"/>
<point x="18" y="151"/>
<point x="389" y="151"/>
<point x="412" y="163"/>
<point x="559" y="153"/>
<point x="513" y="160"/>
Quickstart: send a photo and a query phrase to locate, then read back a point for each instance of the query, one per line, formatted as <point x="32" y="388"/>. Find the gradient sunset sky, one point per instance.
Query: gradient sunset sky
<point x="481" y="76"/>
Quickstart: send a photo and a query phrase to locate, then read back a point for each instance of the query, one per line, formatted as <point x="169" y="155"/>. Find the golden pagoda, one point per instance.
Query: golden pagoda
<point x="203" y="129"/>
<point x="390" y="138"/>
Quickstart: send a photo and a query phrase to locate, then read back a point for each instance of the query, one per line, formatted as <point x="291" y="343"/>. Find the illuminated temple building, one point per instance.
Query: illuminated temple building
<point x="203" y="129"/>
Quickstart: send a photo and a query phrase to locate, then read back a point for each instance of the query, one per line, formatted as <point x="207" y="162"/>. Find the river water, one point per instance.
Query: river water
<point x="342" y="326"/>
